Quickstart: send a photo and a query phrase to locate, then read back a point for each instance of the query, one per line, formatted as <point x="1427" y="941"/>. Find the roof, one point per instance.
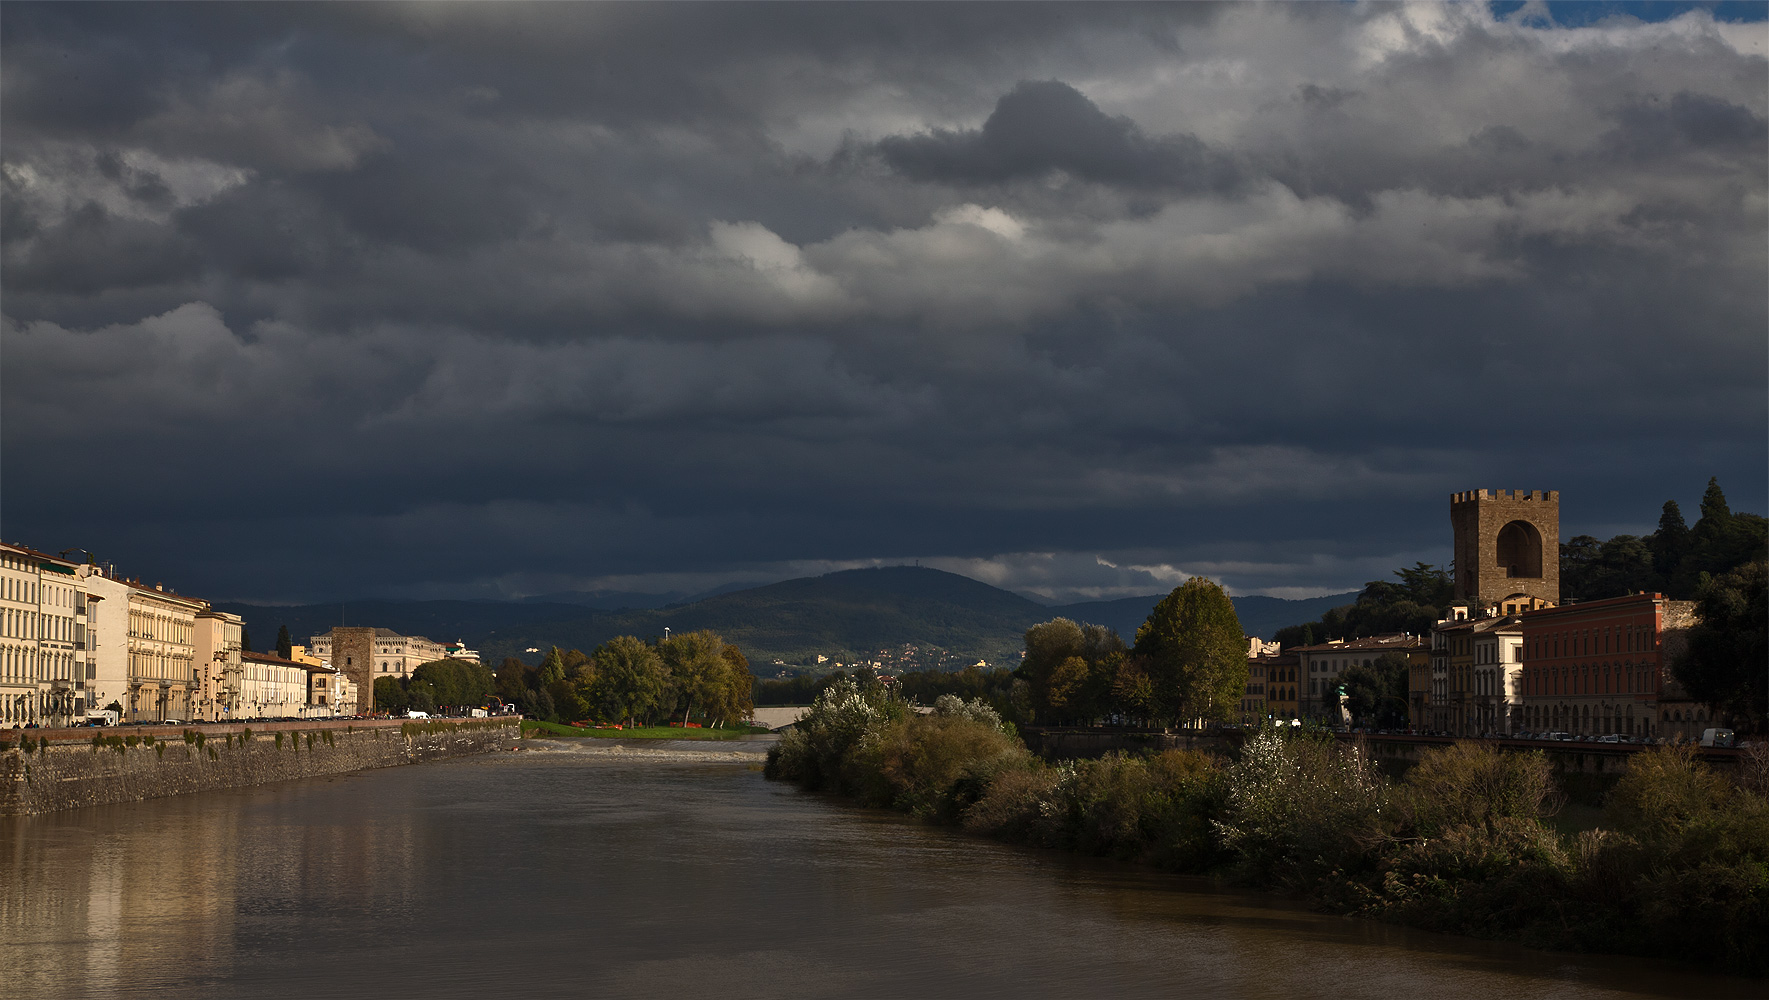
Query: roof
<point x="277" y="661"/>
<point x="33" y="553"/>
<point x="1582" y="607"/>
<point x="1372" y="643"/>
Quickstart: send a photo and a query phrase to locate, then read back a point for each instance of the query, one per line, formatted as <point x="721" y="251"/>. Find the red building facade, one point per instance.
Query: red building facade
<point x="1600" y="668"/>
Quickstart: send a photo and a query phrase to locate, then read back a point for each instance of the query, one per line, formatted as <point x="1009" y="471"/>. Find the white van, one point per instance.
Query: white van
<point x="101" y="717"/>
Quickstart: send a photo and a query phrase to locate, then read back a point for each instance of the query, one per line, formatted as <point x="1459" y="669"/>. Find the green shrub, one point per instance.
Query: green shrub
<point x="190" y="736"/>
<point x="1012" y="806"/>
<point x="26" y="744"/>
<point x="1473" y="784"/>
<point x="933" y="765"/>
<point x="148" y="739"/>
<point x="1299" y="809"/>
<point x="279" y="741"/>
<point x="814" y="752"/>
<point x="131" y="740"/>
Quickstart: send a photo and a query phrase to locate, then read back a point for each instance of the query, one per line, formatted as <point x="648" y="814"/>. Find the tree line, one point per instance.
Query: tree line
<point x="684" y="678"/>
<point x="440" y="685"/>
<point x="1187" y="664"/>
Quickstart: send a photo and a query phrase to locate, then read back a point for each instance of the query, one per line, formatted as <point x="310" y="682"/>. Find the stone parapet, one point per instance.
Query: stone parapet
<point x="88" y="767"/>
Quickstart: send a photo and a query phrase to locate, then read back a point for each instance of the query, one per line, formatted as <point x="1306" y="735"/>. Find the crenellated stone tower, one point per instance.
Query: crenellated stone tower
<point x="1507" y="548"/>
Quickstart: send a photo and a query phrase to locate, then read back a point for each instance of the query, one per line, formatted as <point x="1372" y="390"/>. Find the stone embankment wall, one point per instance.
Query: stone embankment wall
<point x="69" y="769"/>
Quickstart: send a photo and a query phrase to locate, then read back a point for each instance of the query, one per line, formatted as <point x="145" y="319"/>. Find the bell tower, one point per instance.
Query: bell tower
<point x="1507" y="548"/>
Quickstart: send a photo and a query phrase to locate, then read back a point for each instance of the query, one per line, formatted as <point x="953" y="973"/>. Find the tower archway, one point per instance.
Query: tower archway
<point x="1520" y="550"/>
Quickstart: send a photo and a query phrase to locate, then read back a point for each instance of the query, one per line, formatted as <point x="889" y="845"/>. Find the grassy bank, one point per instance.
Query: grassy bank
<point x="1677" y="865"/>
<point x="533" y="727"/>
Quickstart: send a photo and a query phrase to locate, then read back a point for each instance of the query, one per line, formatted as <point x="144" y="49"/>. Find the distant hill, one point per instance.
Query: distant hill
<point x="475" y="621"/>
<point x="844" y="613"/>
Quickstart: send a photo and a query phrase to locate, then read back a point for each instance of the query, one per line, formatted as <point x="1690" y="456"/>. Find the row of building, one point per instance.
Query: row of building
<point x="75" y="638"/>
<point x="1510" y="657"/>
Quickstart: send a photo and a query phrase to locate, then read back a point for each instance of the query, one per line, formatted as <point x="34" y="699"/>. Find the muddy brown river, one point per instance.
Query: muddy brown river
<point x="576" y="873"/>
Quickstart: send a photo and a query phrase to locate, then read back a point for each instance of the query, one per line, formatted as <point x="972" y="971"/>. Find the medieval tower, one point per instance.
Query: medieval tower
<point x="1507" y="548"/>
<point x="353" y="653"/>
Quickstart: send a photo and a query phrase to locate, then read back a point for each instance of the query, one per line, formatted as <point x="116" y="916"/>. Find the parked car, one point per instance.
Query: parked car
<point x="1719" y="738"/>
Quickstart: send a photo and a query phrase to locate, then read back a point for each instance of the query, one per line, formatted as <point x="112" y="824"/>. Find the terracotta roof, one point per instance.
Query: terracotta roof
<point x="277" y="661"/>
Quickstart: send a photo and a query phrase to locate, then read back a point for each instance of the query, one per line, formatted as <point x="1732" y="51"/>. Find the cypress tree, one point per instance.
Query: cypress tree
<point x="1671" y="542"/>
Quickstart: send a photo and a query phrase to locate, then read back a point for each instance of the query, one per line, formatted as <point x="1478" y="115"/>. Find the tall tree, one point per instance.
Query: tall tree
<point x="696" y="667"/>
<point x="246" y="639"/>
<point x="513" y="680"/>
<point x="284" y="644"/>
<point x="1376" y="695"/>
<point x="1195" y="651"/>
<point x="1048" y="645"/>
<point x="390" y="695"/>
<point x="630" y="680"/>
<point x="1670" y="543"/>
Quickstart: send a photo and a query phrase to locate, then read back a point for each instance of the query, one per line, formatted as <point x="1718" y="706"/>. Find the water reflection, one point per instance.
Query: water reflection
<point x="601" y="876"/>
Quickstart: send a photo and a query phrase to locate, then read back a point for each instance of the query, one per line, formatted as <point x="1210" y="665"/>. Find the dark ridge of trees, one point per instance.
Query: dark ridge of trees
<point x="1676" y="560"/>
<point x="1418" y="601"/>
<point x="1726" y="663"/>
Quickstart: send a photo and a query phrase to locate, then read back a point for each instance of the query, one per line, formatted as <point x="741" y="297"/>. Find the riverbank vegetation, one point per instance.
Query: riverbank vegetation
<point x="1679" y="867"/>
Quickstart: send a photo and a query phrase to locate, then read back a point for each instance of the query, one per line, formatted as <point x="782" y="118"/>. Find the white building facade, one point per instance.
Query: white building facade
<point x="217" y="696"/>
<point x="144" y="648"/>
<point x="1495" y="699"/>
<point x="42" y="638"/>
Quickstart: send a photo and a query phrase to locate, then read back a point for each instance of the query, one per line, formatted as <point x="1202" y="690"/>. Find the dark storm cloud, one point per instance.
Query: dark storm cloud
<point x="1044" y="126"/>
<point x="427" y="299"/>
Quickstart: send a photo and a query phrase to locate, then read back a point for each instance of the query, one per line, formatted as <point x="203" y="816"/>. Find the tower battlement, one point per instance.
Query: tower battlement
<point x="1470" y="496"/>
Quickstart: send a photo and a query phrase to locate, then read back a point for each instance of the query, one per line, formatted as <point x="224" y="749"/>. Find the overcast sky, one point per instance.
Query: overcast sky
<point x="451" y="300"/>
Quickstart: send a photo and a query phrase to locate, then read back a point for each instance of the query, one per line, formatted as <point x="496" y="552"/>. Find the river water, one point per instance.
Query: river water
<point x="584" y="873"/>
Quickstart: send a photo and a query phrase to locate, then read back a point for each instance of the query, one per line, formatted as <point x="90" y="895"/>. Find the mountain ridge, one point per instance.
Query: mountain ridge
<point x="840" y="614"/>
